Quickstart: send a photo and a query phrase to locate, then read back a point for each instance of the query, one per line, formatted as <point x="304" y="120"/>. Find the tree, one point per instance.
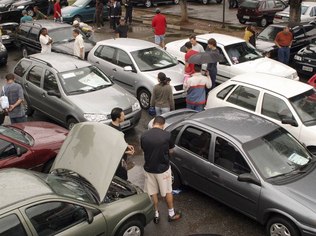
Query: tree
<point x="295" y="12"/>
<point x="184" y="11"/>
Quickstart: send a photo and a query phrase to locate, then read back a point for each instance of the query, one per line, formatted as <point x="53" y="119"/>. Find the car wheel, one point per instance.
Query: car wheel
<point x="242" y="21"/>
<point x="263" y="22"/>
<point x="28" y="109"/>
<point x="144" y="98"/>
<point x="176" y="181"/>
<point x="148" y="3"/>
<point x="281" y="226"/>
<point x="48" y="165"/>
<point x="219" y="1"/>
<point x="24" y="52"/>
<point x="77" y="18"/>
<point x="133" y="227"/>
<point x="30" y="12"/>
<point x="205" y="2"/>
<point x="176" y="2"/>
<point x="71" y="122"/>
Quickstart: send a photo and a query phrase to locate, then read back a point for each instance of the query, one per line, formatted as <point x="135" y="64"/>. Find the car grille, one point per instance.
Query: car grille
<point x="128" y="110"/>
<point x="309" y="60"/>
<point x="178" y="87"/>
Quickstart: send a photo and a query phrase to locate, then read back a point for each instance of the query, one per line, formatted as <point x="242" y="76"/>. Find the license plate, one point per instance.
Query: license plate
<point x="307" y="68"/>
<point x="125" y="124"/>
<point x="246" y="17"/>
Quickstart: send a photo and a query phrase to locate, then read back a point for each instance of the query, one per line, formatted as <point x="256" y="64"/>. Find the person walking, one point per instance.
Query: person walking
<point x="85" y="28"/>
<point x="99" y="8"/>
<point x="159" y="24"/>
<point x="45" y="41"/>
<point x="284" y="40"/>
<point x="195" y="45"/>
<point x="162" y="96"/>
<point x="250" y="35"/>
<point x="121" y="30"/>
<point x="157" y="145"/>
<point x="128" y="12"/>
<point x="14" y="92"/>
<point x="212" y="67"/>
<point x="195" y="87"/>
<point x="117" y="117"/>
<point x="79" y="44"/>
<point x="38" y="14"/>
<point x="25" y="17"/>
<point x="50" y="7"/>
<point x="57" y="11"/>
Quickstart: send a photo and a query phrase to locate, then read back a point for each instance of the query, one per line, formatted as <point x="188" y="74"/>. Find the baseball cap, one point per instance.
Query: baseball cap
<point x="75" y="22"/>
<point x="157" y="10"/>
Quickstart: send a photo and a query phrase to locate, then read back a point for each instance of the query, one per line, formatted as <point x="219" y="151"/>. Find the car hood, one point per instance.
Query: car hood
<point x="92" y="150"/>
<point x="6" y="2"/>
<point x="69" y="10"/>
<point x="265" y="46"/>
<point x="22" y="3"/>
<point x="115" y="97"/>
<point x="67" y="47"/>
<point x="309" y="51"/>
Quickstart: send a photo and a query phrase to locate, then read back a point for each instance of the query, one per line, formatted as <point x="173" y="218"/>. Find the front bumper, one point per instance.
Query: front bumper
<point x="3" y="57"/>
<point x="249" y="18"/>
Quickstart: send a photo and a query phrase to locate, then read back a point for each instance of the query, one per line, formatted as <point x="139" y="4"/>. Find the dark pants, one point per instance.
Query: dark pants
<point x="18" y="119"/>
<point x="212" y="73"/>
<point x="129" y="15"/>
<point x="114" y="21"/>
<point x="284" y="55"/>
<point x="99" y="19"/>
<point x="50" y="8"/>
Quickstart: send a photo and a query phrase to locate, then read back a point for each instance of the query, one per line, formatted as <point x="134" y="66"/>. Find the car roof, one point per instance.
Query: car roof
<point x="309" y="3"/>
<point x="17" y="185"/>
<point x="127" y="44"/>
<point x="239" y="124"/>
<point x="48" y="24"/>
<point x="280" y="85"/>
<point x="220" y="38"/>
<point x="59" y="61"/>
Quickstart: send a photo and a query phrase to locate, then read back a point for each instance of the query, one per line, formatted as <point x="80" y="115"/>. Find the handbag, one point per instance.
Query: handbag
<point x="4" y="101"/>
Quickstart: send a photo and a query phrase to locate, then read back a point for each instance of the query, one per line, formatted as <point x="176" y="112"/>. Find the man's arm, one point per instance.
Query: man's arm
<point x="276" y="41"/>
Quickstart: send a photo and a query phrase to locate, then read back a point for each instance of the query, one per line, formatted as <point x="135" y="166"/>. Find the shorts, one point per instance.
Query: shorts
<point x="159" y="38"/>
<point x="155" y="183"/>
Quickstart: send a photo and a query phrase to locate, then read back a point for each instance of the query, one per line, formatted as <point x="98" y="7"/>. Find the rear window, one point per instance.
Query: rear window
<point x="21" y="67"/>
<point x="24" y="30"/>
<point x="250" y="4"/>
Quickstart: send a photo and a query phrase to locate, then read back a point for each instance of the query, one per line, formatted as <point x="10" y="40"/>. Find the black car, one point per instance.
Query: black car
<point x="3" y="55"/>
<point x="303" y="34"/>
<point x="8" y="31"/>
<point x="6" y="4"/>
<point x="305" y="60"/>
<point x="28" y="6"/>
<point x="27" y="37"/>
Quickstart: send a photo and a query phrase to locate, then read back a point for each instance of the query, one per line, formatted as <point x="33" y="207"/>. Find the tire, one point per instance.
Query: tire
<point x="78" y="18"/>
<point x="71" y="122"/>
<point x="219" y="1"/>
<point x="242" y="21"/>
<point x="176" y="181"/>
<point x="205" y="2"/>
<point x="144" y="98"/>
<point x="148" y="3"/>
<point x="25" y="53"/>
<point x="48" y="165"/>
<point x="312" y="150"/>
<point x="176" y="2"/>
<point x="132" y="227"/>
<point x="263" y="22"/>
<point x="281" y="226"/>
<point x="28" y="109"/>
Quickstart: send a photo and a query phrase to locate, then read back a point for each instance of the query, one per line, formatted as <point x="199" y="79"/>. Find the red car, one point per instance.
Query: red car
<point x="30" y="145"/>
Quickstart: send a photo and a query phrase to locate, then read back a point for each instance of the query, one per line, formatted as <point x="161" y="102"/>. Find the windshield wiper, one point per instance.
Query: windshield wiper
<point x="78" y="91"/>
<point x="311" y="161"/>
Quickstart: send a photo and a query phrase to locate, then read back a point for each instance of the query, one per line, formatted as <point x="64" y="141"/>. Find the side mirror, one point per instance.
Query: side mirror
<point x="53" y="93"/>
<point x="249" y="178"/>
<point x="289" y="121"/>
<point x="90" y="216"/>
<point x="128" y="68"/>
<point x="20" y="151"/>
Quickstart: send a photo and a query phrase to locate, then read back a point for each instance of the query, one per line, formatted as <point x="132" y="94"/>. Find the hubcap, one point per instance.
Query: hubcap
<point x="24" y="52"/>
<point x="132" y="231"/>
<point x="278" y="229"/>
<point x="148" y="3"/>
<point x="263" y="22"/>
<point x="71" y="125"/>
<point x="144" y="99"/>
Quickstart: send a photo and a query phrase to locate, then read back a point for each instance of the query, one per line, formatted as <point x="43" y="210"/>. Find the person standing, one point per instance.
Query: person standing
<point x="15" y="95"/>
<point x="99" y="8"/>
<point x="195" y="45"/>
<point x="45" y="41"/>
<point x="121" y="30"/>
<point x="157" y="145"/>
<point x="162" y="96"/>
<point x="250" y="35"/>
<point x="38" y="14"/>
<point x="79" y="44"/>
<point x="117" y="117"/>
<point x="284" y="40"/>
<point x="189" y="67"/>
<point x="129" y="12"/>
<point x="159" y="24"/>
<point x="57" y="11"/>
<point x="25" y="17"/>
<point x="115" y="12"/>
<point x="50" y="8"/>
<point x="212" y="67"/>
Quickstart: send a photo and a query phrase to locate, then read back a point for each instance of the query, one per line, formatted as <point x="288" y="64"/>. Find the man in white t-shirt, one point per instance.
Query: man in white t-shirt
<point x="195" y="45"/>
<point x="45" y="41"/>
<point x="79" y="44"/>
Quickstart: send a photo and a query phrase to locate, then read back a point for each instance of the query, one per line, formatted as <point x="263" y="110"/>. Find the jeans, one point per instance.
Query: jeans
<point x="161" y="110"/>
<point x="284" y="55"/>
<point x="18" y="119"/>
<point x="213" y="73"/>
<point x="196" y="107"/>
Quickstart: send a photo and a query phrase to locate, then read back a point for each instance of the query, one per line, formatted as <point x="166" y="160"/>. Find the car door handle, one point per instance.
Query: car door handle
<point x="44" y="95"/>
<point x="114" y="69"/>
<point x="97" y="62"/>
<point x="215" y="174"/>
<point x="26" y="85"/>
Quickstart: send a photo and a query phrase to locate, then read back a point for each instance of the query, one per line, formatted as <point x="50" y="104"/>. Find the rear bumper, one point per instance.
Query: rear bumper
<point x="304" y="68"/>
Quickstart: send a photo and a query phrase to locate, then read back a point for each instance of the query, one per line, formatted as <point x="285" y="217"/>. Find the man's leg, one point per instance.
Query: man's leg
<point x="281" y="55"/>
<point x="155" y="201"/>
<point x="287" y="55"/>
<point x="151" y="187"/>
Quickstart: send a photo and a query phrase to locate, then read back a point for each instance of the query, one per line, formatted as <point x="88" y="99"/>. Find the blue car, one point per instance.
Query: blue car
<point x="82" y="11"/>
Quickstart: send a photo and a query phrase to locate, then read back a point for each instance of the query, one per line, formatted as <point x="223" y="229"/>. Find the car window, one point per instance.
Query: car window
<point x="11" y="225"/>
<point x="24" y="30"/>
<point x="35" y="75"/>
<point x="270" y="5"/>
<point x="279" y="4"/>
<point x="263" y="6"/>
<point x="269" y="33"/>
<point x="50" y="82"/>
<point x="244" y="97"/>
<point x="123" y="59"/>
<point x="313" y="12"/>
<point x="105" y="53"/>
<point x="275" y="107"/>
<point x="298" y="33"/>
<point x="229" y="158"/>
<point x="222" y="94"/>
<point x="7" y="149"/>
<point x="53" y="217"/>
<point x="21" y="67"/>
<point x="242" y="52"/>
<point x="310" y="31"/>
<point x="62" y="34"/>
<point x="249" y="4"/>
<point x="175" y="133"/>
<point x="34" y="34"/>
<point x="196" y="141"/>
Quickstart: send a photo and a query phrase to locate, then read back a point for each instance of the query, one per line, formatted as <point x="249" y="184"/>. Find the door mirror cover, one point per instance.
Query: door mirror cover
<point x="249" y="178"/>
<point x="53" y="93"/>
<point x="128" y="68"/>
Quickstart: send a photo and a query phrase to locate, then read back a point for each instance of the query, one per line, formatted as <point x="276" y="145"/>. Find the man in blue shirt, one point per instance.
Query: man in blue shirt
<point x="25" y="17"/>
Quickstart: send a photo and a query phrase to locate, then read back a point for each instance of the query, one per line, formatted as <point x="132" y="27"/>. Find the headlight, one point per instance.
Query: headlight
<point x="20" y="7"/>
<point x="292" y="76"/>
<point x="298" y="58"/>
<point x="95" y="117"/>
<point x="5" y="37"/>
<point x="2" y="5"/>
<point x="136" y="106"/>
<point x="2" y="48"/>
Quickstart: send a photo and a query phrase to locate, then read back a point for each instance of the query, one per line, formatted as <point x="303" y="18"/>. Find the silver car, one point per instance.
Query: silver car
<point x="248" y="163"/>
<point x="134" y="64"/>
<point x="70" y="90"/>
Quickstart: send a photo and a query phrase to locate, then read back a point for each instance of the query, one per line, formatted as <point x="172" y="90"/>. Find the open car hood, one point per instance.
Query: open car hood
<point x="94" y="151"/>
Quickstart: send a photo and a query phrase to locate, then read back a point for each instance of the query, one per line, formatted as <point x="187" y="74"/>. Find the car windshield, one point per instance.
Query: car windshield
<point x="83" y="80"/>
<point x="242" y="52"/>
<point x="79" y="3"/>
<point x="61" y="34"/>
<point x="269" y="33"/>
<point x="305" y="106"/>
<point x="249" y="4"/>
<point x="154" y="58"/>
<point x="17" y="134"/>
<point x="277" y="154"/>
<point x="303" y="10"/>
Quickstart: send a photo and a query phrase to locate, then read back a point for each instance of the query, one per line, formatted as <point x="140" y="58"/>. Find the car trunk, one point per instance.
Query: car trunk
<point x="248" y="8"/>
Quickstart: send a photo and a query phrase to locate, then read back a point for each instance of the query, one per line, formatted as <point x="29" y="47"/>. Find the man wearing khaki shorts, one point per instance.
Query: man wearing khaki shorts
<point x="157" y="144"/>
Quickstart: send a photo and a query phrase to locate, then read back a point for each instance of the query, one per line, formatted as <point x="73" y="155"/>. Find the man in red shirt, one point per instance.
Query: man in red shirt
<point x="189" y="68"/>
<point x="57" y="11"/>
<point x="159" y="24"/>
<point x="284" y="41"/>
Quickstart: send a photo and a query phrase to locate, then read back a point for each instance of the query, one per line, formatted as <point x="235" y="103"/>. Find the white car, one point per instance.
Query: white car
<point x="134" y="65"/>
<point x="308" y="13"/>
<point x="290" y="104"/>
<point x="239" y="57"/>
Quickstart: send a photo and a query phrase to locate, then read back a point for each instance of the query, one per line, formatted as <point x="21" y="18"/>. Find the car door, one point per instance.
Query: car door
<point x="103" y="58"/>
<point x="229" y="162"/>
<point x="11" y="224"/>
<point x="88" y="11"/>
<point x="33" y="44"/>
<point x="63" y="218"/>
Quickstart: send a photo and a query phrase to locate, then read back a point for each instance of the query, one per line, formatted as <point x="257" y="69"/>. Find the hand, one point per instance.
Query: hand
<point x="130" y="150"/>
<point x="11" y="108"/>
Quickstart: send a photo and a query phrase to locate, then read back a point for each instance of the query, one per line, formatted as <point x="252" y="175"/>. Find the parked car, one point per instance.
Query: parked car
<point x="304" y="60"/>
<point x="3" y="54"/>
<point x="28" y="5"/>
<point x="6" y="4"/>
<point x="290" y="104"/>
<point x="308" y="13"/>
<point x="80" y="196"/>
<point x="239" y="57"/>
<point x="82" y="11"/>
<point x="248" y="163"/>
<point x="8" y="31"/>
<point x="208" y="1"/>
<point x="312" y="81"/>
<point x="134" y="64"/>
<point x="30" y="145"/>
<point x="260" y="11"/>
<point x="70" y="90"/>
<point x="63" y="41"/>
<point x="303" y="34"/>
<point x="150" y="3"/>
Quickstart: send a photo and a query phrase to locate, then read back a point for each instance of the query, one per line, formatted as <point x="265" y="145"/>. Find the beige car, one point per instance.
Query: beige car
<point x="80" y="196"/>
